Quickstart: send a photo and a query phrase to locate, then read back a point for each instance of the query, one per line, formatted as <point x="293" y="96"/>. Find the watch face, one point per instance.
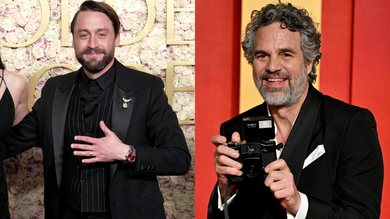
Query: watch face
<point x="131" y="156"/>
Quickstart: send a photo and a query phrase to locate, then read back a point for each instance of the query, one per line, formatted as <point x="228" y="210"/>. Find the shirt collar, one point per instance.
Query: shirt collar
<point x="104" y="81"/>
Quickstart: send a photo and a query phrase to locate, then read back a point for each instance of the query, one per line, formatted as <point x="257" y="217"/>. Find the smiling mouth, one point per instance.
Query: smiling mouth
<point x="92" y="55"/>
<point x="274" y="82"/>
<point x="275" y="79"/>
<point x="92" y="52"/>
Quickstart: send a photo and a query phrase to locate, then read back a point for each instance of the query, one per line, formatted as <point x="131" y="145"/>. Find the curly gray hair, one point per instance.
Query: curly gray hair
<point x="293" y="19"/>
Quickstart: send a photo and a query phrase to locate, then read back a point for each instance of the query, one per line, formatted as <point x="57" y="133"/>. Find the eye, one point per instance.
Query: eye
<point x="83" y="36"/>
<point x="261" y="56"/>
<point x="101" y="34"/>
<point x="286" y="55"/>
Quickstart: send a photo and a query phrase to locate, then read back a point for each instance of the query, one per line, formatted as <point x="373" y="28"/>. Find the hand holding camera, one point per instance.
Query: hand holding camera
<point x="257" y="150"/>
<point x="247" y="159"/>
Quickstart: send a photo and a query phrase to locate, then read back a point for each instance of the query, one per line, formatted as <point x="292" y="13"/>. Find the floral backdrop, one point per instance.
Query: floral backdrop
<point x="33" y="52"/>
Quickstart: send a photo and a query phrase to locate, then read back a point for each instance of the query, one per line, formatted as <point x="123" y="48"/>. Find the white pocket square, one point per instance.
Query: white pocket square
<point x="318" y="152"/>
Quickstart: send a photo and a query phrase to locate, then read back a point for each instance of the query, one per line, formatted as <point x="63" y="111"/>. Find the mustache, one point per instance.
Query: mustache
<point x="96" y="50"/>
<point x="268" y="74"/>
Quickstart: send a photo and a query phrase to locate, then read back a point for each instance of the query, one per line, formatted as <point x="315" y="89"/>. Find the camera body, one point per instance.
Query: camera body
<point x="257" y="149"/>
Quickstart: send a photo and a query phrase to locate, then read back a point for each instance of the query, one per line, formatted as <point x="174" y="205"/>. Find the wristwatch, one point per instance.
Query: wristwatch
<point x="131" y="154"/>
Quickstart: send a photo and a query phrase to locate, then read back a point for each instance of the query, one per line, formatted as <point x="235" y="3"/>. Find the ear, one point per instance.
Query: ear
<point x="309" y="66"/>
<point x="117" y="39"/>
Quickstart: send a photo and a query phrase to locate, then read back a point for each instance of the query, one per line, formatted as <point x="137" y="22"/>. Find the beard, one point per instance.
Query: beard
<point x="282" y="96"/>
<point x="94" y="65"/>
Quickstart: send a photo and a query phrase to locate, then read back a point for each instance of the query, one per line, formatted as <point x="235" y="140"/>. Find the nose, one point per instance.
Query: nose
<point x="274" y="64"/>
<point x="92" y="42"/>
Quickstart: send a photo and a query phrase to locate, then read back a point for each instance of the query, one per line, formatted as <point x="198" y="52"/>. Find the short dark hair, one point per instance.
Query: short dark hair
<point x="99" y="7"/>
<point x="293" y="19"/>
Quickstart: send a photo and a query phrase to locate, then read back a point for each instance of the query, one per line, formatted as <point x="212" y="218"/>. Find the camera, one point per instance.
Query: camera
<point x="257" y="149"/>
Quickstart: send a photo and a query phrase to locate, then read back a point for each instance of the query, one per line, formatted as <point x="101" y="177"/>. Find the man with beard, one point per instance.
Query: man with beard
<point x="329" y="161"/>
<point x="106" y="131"/>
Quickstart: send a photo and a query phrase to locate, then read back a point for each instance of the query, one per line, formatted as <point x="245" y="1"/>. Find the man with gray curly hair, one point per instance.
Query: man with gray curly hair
<point x="328" y="161"/>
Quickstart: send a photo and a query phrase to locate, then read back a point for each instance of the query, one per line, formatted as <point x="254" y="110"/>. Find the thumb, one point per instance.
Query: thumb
<point x="236" y="137"/>
<point x="218" y="140"/>
<point x="104" y="128"/>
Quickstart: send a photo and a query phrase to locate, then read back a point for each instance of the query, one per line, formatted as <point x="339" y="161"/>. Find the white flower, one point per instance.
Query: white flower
<point x="55" y="13"/>
<point x="8" y="24"/>
<point x="19" y="63"/>
<point x="20" y="33"/>
<point x="37" y="52"/>
<point x="2" y="32"/>
<point x="52" y="36"/>
<point x="31" y="27"/>
<point x="51" y="52"/>
<point x="183" y="3"/>
<point x="3" y="8"/>
<point x="28" y="182"/>
<point x="27" y="209"/>
<point x="21" y="20"/>
<point x="11" y="37"/>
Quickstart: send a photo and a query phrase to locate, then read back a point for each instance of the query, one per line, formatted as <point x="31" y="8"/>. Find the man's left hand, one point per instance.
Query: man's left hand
<point x="280" y="181"/>
<point x="104" y="149"/>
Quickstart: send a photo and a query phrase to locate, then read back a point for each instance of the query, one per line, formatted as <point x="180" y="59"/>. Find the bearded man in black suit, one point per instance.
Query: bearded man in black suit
<point x="106" y="131"/>
<point x="330" y="165"/>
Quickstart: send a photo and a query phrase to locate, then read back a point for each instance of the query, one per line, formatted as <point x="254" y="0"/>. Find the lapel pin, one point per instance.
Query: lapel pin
<point x="125" y="101"/>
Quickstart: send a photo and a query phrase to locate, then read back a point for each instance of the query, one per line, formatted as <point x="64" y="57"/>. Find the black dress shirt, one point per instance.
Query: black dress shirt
<point x="85" y="186"/>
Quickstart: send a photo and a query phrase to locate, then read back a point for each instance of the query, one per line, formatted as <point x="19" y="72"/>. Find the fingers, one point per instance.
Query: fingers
<point x="277" y="172"/>
<point x="236" y="137"/>
<point x="107" y="132"/>
<point x="90" y="160"/>
<point x="227" y="151"/>
<point x="104" y="128"/>
<point x="225" y="159"/>
<point x="83" y="150"/>
<point x="279" y="164"/>
<point x="221" y="140"/>
<point x="227" y="166"/>
<point x="83" y="147"/>
<point x="87" y="139"/>
<point x="224" y="171"/>
<point x="83" y="153"/>
<point x="225" y="163"/>
<point x="280" y="181"/>
<point x="218" y="140"/>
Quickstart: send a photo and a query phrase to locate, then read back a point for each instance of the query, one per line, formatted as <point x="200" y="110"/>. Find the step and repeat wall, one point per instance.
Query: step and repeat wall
<point x="157" y="37"/>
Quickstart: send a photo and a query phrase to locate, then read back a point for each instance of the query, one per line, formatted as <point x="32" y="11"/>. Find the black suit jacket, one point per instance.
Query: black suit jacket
<point x="148" y="123"/>
<point x="345" y="182"/>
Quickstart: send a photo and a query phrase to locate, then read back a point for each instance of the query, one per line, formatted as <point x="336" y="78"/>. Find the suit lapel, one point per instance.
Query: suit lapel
<point x="298" y="142"/>
<point x="62" y="95"/>
<point x="121" y="116"/>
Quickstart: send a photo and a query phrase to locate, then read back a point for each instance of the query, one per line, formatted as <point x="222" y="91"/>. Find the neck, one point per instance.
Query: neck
<point x="100" y="73"/>
<point x="285" y="116"/>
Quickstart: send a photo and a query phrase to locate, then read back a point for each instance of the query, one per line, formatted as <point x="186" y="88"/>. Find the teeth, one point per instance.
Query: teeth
<point x="275" y="79"/>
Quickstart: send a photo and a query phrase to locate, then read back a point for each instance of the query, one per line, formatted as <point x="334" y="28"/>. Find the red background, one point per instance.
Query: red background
<point x="353" y="68"/>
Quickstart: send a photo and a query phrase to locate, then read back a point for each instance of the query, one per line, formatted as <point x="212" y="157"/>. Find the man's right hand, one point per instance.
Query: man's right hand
<point x="224" y="161"/>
